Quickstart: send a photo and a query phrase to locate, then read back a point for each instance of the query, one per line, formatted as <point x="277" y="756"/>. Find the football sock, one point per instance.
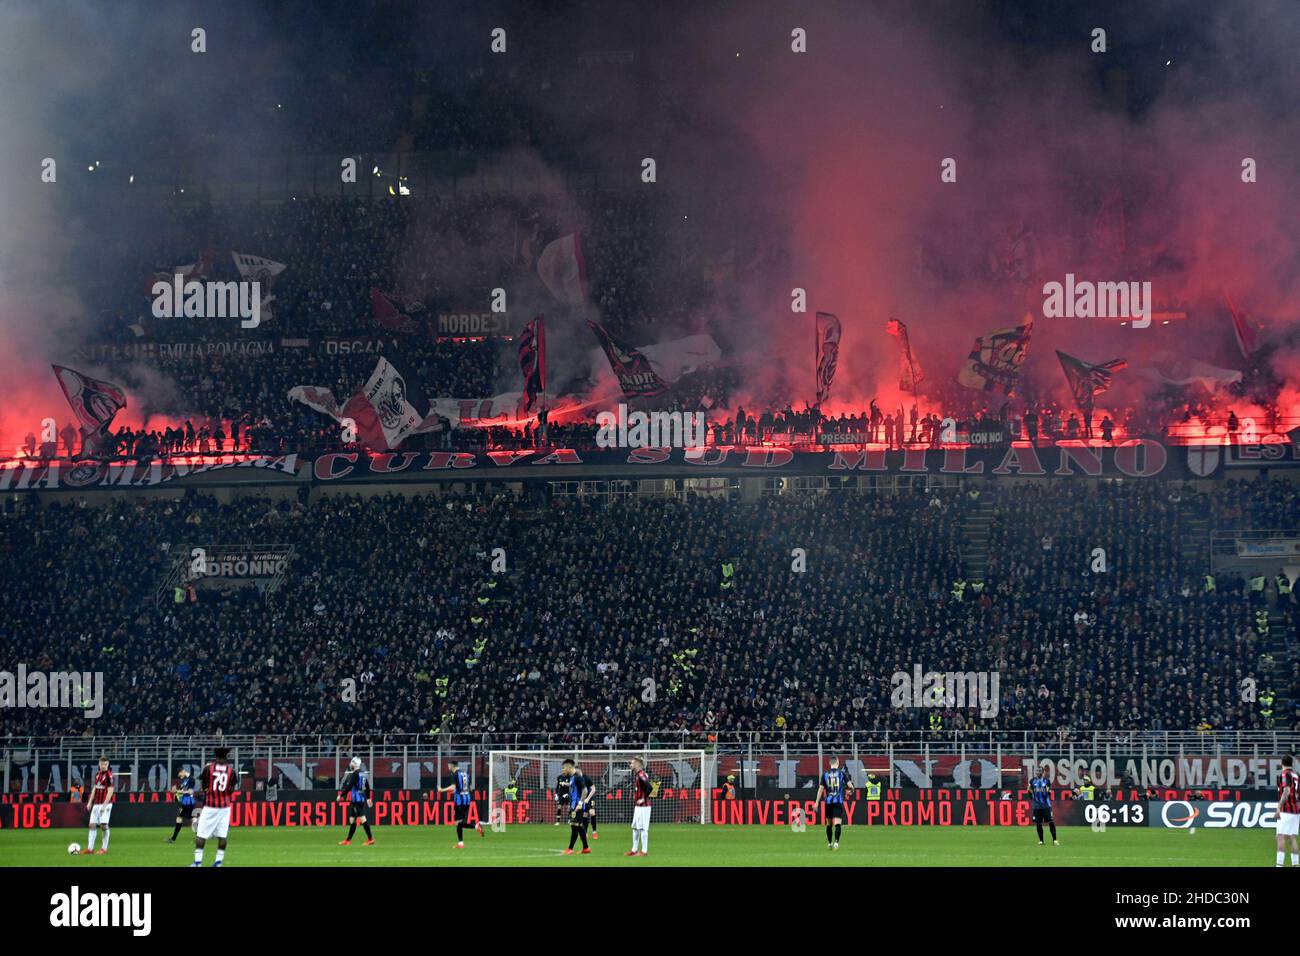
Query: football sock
<point x="106" y="833"/>
<point x="198" y="856"/>
<point x="221" y="855"/>
<point x="352" y="830"/>
<point x="1053" y="828"/>
<point x="366" y="827"/>
<point x="1281" y="857"/>
<point x="829" y="831"/>
<point x="1040" y="832"/>
<point x="1295" y="859"/>
<point x="176" y="832"/>
<point x="837" y="833"/>
<point x="90" y="839"/>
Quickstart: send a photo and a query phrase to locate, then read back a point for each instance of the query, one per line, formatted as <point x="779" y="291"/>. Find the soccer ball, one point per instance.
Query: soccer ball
<point x="74" y="849"/>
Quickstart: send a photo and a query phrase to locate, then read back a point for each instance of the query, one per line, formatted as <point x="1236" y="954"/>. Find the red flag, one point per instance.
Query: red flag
<point x="392" y="311"/>
<point x="909" y="373"/>
<point x="532" y="360"/>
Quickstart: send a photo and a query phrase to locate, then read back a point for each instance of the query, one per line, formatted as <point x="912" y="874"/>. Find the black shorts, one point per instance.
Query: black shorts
<point x="462" y="813"/>
<point x="357" y="809"/>
<point x="1042" y="814"/>
<point x="185" y="812"/>
<point x="835" y="811"/>
<point x="578" y="816"/>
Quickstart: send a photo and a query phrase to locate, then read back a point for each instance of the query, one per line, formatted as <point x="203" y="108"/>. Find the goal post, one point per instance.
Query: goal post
<point x="683" y="782"/>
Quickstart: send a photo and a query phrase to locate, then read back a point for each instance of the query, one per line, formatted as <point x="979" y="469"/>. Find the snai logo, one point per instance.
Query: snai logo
<point x="1218" y="815"/>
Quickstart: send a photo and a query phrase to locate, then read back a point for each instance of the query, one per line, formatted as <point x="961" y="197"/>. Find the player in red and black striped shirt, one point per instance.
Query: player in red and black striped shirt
<point x="100" y="802"/>
<point x="220" y="782"/>
<point x="1288" y="812"/>
<point x="642" y="789"/>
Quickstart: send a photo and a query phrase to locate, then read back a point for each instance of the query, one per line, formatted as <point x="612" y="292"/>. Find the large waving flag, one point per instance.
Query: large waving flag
<point x="1166" y="368"/>
<point x="909" y="372"/>
<point x="257" y="268"/>
<point x="389" y="407"/>
<point x="1085" y="379"/>
<point x="995" y="359"/>
<point x="563" y="270"/>
<point x="93" y="402"/>
<point x="828" y="353"/>
<point x="636" y="376"/>
<point x="532" y="360"/>
<point x="262" y="270"/>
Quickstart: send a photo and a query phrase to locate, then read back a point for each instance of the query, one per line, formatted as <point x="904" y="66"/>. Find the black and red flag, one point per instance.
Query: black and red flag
<point x="395" y="311"/>
<point x="1085" y="379"/>
<point x="93" y="402"/>
<point x="532" y="360"/>
<point x="636" y="376"/>
<point x="828" y="353"/>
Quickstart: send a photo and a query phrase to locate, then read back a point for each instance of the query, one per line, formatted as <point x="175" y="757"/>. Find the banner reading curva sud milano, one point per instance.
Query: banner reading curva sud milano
<point x="1138" y="458"/>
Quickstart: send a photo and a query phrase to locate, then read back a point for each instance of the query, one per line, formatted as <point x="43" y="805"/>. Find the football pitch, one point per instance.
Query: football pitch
<point x="670" y="845"/>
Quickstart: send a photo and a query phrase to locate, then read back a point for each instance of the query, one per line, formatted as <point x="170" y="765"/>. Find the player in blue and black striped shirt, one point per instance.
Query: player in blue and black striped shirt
<point x="582" y="790"/>
<point x="184" y="794"/>
<point x="360" y="800"/>
<point x="462" y="800"/>
<point x="836" y="786"/>
<point x="1040" y="790"/>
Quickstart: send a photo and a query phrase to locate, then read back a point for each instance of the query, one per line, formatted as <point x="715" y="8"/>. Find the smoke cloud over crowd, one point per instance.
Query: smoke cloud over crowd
<point x="809" y="156"/>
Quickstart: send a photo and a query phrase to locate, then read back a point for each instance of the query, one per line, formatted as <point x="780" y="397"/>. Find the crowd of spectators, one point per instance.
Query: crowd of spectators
<point x="699" y="595"/>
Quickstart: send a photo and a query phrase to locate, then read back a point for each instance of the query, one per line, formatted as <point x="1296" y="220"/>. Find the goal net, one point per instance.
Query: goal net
<point x="681" y="779"/>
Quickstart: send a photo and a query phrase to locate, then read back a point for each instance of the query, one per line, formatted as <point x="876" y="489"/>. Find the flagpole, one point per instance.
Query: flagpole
<point x="817" y="400"/>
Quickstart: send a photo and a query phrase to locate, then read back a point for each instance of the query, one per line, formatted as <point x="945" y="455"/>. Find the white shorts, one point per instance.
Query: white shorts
<point x="640" y="818"/>
<point x="1288" y="824"/>
<point x="214" y="822"/>
<point x="100" y="813"/>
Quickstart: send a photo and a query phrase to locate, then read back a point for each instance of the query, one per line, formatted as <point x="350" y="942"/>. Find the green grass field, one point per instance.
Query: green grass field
<point x="670" y="845"/>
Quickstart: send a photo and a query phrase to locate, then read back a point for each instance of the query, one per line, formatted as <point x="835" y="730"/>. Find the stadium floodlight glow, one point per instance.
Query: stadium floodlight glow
<point x="685" y="780"/>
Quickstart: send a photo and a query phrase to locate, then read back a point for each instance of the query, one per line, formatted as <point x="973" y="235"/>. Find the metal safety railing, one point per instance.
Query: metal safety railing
<point x="417" y="761"/>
